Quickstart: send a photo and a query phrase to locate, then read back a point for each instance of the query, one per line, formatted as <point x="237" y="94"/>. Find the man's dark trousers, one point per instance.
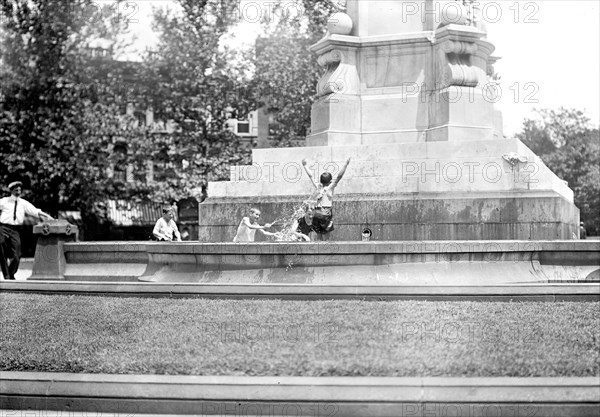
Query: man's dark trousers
<point x="10" y="250"/>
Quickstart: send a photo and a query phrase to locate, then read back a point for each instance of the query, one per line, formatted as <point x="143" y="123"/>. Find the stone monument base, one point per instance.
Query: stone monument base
<point x="501" y="216"/>
<point x="470" y="190"/>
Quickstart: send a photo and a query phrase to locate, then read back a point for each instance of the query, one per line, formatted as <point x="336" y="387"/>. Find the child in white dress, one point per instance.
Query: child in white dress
<point x="246" y="231"/>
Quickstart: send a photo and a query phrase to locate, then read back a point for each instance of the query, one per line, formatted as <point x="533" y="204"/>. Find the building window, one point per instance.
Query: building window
<point x="243" y="127"/>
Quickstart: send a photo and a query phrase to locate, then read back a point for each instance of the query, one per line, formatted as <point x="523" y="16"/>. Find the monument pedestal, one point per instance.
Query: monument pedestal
<point x="465" y="217"/>
<point x="411" y="100"/>
<point x="334" y="121"/>
<point x="471" y="190"/>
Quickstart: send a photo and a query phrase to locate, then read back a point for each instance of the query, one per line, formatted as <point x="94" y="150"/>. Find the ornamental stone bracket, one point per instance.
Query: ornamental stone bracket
<point x="454" y="64"/>
<point x="341" y="76"/>
<point x="462" y="57"/>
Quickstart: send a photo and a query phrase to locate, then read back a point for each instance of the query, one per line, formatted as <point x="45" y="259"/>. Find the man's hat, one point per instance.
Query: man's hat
<point x="15" y="184"/>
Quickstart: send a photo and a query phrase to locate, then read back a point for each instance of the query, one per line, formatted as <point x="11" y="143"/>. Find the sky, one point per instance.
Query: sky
<point x="549" y="49"/>
<point x="550" y="56"/>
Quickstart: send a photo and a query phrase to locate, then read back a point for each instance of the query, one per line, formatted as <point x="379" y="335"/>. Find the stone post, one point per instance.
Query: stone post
<point x="49" y="262"/>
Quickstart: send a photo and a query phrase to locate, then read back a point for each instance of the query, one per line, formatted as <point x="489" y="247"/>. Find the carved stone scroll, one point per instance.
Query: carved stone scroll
<point x="454" y="64"/>
<point x="341" y="77"/>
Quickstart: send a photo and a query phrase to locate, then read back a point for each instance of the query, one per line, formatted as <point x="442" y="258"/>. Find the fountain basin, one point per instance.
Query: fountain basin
<point x="337" y="263"/>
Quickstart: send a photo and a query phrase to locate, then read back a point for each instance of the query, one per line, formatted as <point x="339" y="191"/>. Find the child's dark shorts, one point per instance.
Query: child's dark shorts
<point x="323" y="220"/>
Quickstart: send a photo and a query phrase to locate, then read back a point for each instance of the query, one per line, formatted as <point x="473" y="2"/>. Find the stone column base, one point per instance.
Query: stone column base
<point x="498" y="216"/>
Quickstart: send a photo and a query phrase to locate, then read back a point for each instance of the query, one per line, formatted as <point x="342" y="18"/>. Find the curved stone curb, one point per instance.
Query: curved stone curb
<point x="331" y="263"/>
<point x="305" y="396"/>
<point x="119" y="250"/>
<point x="528" y="292"/>
<point x="533" y="292"/>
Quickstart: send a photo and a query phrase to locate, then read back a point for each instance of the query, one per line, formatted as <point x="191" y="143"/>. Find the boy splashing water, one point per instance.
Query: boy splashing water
<point x="322" y="222"/>
<point x="249" y="225"/>
<point x="298" y="226"/>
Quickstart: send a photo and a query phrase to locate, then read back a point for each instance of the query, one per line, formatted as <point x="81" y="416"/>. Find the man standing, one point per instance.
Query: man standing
<point x="12" y="215"/>
<point x="582" y="231"/>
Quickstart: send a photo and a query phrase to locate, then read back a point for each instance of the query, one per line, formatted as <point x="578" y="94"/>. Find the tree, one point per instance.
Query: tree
<point x="189" y="80"/>
<point x="577" y="162"/>
<point x="551" y="129"/>
<point x="38" y="125"/>
<point x="58" y="112"/>
<point x="287" y="72"/>
<point x="570" y="147"/>
<point x="61" y="106"/>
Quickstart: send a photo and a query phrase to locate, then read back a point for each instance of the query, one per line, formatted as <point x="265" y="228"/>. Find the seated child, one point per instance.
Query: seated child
<point x="323" y="214"/>
<point x="165" y="228"/>
<point x="249" y="225"/>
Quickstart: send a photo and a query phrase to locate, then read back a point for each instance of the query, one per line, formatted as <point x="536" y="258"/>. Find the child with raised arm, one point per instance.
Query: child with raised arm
<point x="323" y="215"/>
<point x="249" y="225"/>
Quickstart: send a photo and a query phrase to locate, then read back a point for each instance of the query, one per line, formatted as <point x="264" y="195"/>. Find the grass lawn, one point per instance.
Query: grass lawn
<point x="309" y="338"/>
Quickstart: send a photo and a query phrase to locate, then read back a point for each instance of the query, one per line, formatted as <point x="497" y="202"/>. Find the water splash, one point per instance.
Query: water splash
<point x="288" y="217"/>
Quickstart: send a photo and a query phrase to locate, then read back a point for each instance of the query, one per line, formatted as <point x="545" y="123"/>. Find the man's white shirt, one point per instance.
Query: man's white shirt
<point x="7" y="210"/>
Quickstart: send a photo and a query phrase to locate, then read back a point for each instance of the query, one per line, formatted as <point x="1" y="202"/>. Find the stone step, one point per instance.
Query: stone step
<point x="430" y="168"/>
<point x="377" y="152"/>
<point x="139" y="395"/>
<point x="489" y="179"/>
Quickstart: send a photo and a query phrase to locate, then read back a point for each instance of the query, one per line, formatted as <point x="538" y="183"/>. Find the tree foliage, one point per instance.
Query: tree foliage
<point x="570" y="147"/>
<point x="551" y="129"/>
<point x="191" y="79"/>
<point x="52" y="124"/>
<point x="61" y="106"/>
<point x="287" y="72"/>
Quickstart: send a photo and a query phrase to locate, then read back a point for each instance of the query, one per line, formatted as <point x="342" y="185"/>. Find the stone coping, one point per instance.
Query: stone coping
<point x="530" y="292"/>
<point x="425" y="36"/>
<point x="463" y="30"/>
<point x="380" y="263"/>
<point x="409" y="246"/>
<point x="335" y="40"/>
<point x="393" y="151"/>
<point x="350" y="197"/>
<point x="293" y="388"/>
<point x="137" y="395"/>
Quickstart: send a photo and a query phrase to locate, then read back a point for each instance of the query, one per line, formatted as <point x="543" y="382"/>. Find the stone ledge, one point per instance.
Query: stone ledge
<point x="527" y="195"/>
<point x="381" y="263"/>
<point x="108" y="246"/>
<point x="529" y="292"/>
<point x="356" y="396"/>
<point x="409" y="246"/>
<point x="571" y="389"/>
